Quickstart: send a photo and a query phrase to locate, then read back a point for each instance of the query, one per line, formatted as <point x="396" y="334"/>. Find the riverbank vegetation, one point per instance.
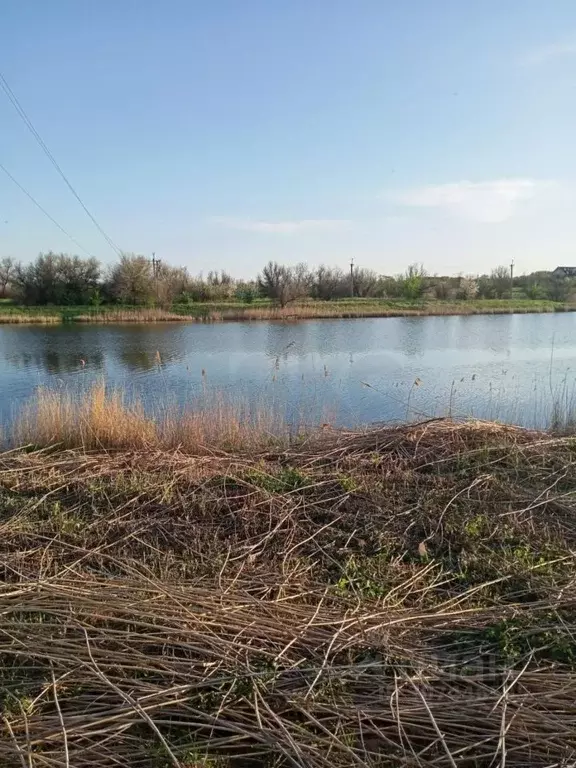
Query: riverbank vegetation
<point x="387" y="597"/>
<point x="226" y="312"/>
<point x="214" y="312"/>
<point x="137" y="289"/>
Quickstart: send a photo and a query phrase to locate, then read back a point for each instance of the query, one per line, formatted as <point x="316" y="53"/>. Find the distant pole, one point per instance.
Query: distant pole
<point x="352" y="277"/>
<point x="155" y="264"/>
<point x="155" y="270"/>
<point x="512" y="279"/>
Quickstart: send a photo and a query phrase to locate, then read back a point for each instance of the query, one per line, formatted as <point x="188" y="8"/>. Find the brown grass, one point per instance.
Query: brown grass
<point x="219" y="422"/>
<point x="292" y="312"/>
<point x="20" y="319"/>
<point x="100" y="418"/>
<point x="398" y="597"/>
<point x="131" y="316"/>
<point x="325" y="310"/>
<point x="105" y="418"/>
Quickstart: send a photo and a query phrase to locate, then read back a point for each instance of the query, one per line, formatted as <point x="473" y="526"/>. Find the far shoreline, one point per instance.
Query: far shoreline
<point x="237" y="312"/>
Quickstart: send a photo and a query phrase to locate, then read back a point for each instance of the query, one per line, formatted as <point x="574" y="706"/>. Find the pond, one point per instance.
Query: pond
<point x="516" y="368"/>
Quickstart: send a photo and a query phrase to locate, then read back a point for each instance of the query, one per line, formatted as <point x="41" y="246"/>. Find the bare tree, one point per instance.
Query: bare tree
<point x="500" y="281"/>
<point x="366" y="282"/>
<point x="169" y="283"/>
<point x="7" y="274"/>
<point x="392" y="286"/>
<point x="330" y="283"/>
<point x="284" y="284"/>
<point x="219" y="278"/>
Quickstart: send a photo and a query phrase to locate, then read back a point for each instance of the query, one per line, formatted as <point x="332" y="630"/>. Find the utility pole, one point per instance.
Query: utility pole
<point x="352" y="277"/>
<point x="155" y="271"/>
<point x="155" y="264"/>
<point x="512" y="279"/>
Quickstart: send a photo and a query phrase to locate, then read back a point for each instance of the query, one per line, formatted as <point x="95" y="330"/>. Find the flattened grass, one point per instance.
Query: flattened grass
<point x="399" y="596"/>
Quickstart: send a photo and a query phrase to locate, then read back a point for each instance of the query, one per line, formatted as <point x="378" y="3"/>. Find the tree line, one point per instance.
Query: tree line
<point x="63" y="279"/>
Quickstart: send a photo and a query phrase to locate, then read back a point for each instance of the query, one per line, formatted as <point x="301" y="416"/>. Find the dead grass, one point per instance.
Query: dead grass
<point x="293" y="312"/>
<point x="103" y="418"/>
<point x="325" y="310"/>
<point x="100" y="418"/>
<point x="18" y="319"/>
<point x="397" y="597"/>
<point x="218" y="422"/>
<point x="131" y="316"/>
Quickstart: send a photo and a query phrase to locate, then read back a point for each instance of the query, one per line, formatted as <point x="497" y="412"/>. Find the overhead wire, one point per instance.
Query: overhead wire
<point x="22" y="113"/>
<point x="44" y="211"/>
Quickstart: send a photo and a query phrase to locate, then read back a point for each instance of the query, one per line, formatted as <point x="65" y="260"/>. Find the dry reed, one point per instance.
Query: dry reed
<point x="325" y="311"/>
<point x="101" y="417"/>
<point x="293" y="312"/>
<point x="144" y="315"/>
<point x="399" y="597"/>
<point x="158" y="674"/>
<point x="19" y="319"/>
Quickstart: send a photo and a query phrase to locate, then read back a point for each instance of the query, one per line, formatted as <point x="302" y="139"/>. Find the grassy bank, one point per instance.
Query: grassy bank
<point x="262" y="310"/>
<point x="393" y="597"/>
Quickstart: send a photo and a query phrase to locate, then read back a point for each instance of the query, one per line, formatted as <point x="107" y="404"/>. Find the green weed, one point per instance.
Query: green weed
<point x="285" y="480"/>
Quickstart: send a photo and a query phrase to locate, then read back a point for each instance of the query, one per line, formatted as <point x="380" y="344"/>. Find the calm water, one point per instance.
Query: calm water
<point x="509" y="367"/>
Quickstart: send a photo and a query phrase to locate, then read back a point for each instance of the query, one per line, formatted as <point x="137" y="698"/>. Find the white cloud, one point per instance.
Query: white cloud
<point x="280" y="227"/>
<point x="545" y="53"/>
<point x="486" y="201"/>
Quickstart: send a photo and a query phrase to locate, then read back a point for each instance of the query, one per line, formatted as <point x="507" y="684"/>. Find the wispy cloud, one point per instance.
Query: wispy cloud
<point x="280" y="227"/>
<point x="486" y="201"/>
<point x="545" y="53"/>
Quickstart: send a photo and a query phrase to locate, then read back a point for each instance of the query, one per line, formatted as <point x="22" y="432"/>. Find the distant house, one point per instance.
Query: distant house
<point x="564" y="272"/>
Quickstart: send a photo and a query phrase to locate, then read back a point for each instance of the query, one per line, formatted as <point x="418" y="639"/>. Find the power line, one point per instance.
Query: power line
<point x="22" y="113"/>
<point x="44" y="211"/>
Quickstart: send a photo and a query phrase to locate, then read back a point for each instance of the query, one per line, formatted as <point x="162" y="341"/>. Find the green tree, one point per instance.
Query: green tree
<point x="413" y="282"/>
<point x="245" y="292"/>
<point x="57" y="278"/>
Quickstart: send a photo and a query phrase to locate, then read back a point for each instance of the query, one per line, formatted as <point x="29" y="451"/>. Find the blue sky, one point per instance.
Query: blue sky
<point x="226" y="133"/>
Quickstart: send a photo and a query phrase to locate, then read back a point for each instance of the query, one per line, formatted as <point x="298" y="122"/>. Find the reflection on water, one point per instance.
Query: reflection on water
<point x="139" y="359"/>
<point x="508" y="366"/>
<point x="56" y="361"/>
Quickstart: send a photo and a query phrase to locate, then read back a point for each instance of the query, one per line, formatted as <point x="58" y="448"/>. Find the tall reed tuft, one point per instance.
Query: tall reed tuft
<point x="103" y="418"/>
<point x="100" y="418"/>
